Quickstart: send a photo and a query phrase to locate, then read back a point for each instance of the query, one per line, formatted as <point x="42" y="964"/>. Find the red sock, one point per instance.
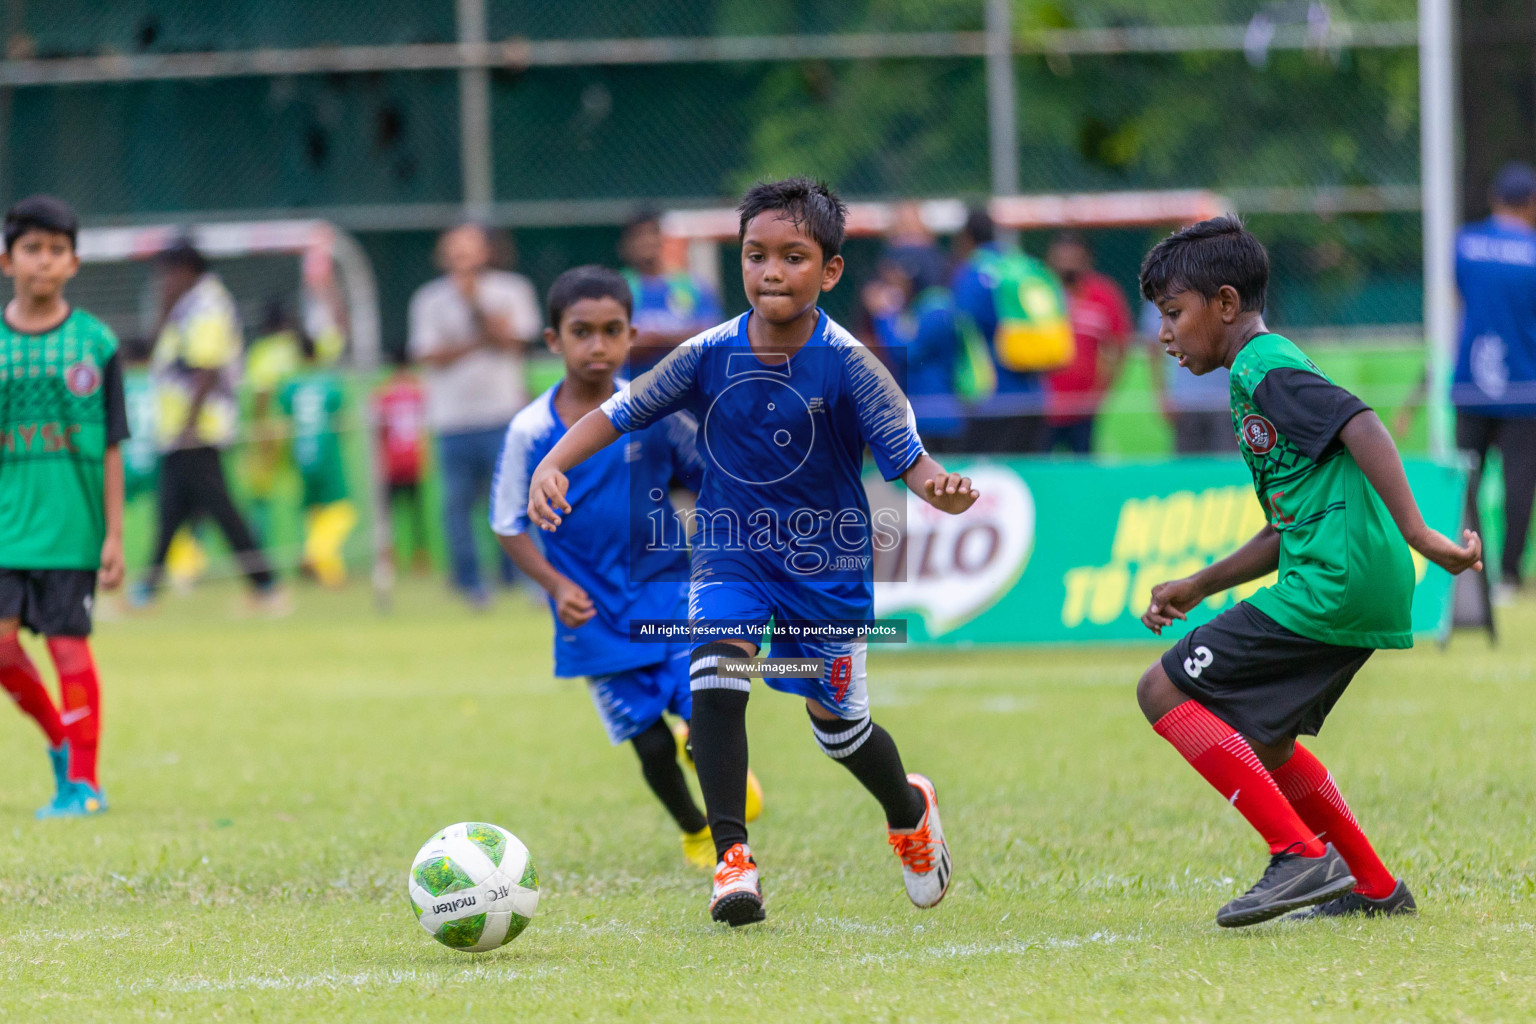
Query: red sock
<point x="1310" y="789"/>
<point x="81" y="712"/>
<point x="1221" y="755"/>
<point x="19" y="677"/>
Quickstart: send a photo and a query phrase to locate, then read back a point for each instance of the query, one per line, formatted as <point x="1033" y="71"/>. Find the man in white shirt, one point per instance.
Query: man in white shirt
<point x="468" y="330"/>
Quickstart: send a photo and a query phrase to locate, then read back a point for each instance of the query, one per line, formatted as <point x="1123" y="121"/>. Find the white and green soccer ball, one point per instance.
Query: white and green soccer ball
<point x="473" y="886"/>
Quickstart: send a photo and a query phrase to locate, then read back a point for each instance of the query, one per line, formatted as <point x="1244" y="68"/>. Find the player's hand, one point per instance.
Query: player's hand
<point x="1450" y="556"/>
<point x="572" y="605"/>
<point x="546" y="498"/>
<point x="950" y="492"/>
<point x="1170" y="601"/>
<point x="110" y="575"/>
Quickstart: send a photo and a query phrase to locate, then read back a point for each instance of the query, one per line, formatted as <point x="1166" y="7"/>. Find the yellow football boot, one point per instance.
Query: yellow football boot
<point x="754" y="808"/>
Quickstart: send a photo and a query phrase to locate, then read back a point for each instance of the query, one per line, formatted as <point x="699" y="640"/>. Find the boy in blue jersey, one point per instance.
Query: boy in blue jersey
<point x="1494" y="388"/>
<point x="596" y="580"/>
<point x="788" y="401"/>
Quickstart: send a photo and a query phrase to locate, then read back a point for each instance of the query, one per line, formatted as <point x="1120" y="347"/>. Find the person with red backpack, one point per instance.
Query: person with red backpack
<point x="1016" y="306"/>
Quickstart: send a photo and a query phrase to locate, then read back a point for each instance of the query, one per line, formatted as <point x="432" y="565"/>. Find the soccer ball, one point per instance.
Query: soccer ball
<point x="473" y="886"/>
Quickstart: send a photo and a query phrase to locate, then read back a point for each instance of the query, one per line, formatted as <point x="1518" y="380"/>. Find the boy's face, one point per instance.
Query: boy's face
<point x="41" y="262"/>
<point x="1194" y="330"/>
<point x="782" y="268"/>
<point x="642" y="247"/>
<point x="594" y="338"/>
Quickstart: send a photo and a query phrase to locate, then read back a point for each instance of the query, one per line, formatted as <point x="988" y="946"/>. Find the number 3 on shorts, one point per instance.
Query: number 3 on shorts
<point x="1199" y="662"/>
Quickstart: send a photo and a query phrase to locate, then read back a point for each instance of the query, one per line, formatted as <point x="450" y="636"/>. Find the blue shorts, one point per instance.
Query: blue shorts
<point x="631" y="701"/>
<point x="843" y="688"/>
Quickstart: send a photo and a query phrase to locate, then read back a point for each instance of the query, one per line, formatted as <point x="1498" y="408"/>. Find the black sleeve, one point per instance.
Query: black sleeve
<point x="1306" y="407"/>
<point x="117" y="408"/>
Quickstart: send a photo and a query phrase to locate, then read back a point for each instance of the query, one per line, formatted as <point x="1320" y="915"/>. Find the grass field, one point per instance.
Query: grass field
<point x="270" y="782"/>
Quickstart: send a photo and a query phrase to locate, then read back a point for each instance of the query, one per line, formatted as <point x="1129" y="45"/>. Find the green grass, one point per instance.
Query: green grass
<point x="270" y="782"/>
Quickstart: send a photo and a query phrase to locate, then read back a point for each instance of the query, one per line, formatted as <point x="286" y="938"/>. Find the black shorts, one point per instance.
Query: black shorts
<point x="1263" y="680"/>
<point x="49" y="602"/>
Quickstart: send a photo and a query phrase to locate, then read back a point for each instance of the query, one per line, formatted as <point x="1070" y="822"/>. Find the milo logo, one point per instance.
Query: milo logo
<point x="1258" y="434"/>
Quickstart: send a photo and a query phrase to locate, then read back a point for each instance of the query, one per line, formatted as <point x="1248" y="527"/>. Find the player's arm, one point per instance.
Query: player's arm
<point x="546" y="491"/>
<point x="1374" y="452"/>
<point x="947" y="492"/>
<point x="573" y="606"/>
<point x="111" y="572"/>
<point x="112" y="567"/>
<point x="653" y="396"/>
<point x="1259" y="557"/>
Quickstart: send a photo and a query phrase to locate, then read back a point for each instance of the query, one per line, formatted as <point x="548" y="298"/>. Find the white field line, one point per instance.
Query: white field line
<point x="336" y="980"/>
<point x="1018" y="947"/>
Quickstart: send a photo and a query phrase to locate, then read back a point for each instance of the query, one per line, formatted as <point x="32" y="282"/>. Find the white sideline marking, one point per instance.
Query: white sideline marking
<point x="336" y="980"/>
<point x="1018" y="947"/>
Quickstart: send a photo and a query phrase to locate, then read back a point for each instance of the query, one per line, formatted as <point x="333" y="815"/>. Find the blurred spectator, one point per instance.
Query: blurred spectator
<point x="913" y="318"/>
<point x="1016" y="305"/>
<point x="312" y="399"/>
<point x="400" y="414"/>
<point x="468" y="329"/>
<point x="196" y="364"/>
<point x="141" y="461"/>
<point x="912" y="245"/>
<point x="1101" y="329"/>
<point x="271" y="360"/>
<point x="1198" y="408"/>
<point x="671" y="305"/>
<point x="1494" y="388"/>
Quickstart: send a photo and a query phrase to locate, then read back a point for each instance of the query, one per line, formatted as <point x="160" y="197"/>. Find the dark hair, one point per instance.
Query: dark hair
<point x="399" y="358"/>
<point x="1205" y="256"/>
<point x="812" y="207"/>
<point x="1071" y="236"/>
<point x="641" y="217"/>
<point x="978" y="225"/>
<point x="1515" y="184"/>
<point x="41" y="213"/>
<point x="588" y="282"/>
<point x="182" y="253"/>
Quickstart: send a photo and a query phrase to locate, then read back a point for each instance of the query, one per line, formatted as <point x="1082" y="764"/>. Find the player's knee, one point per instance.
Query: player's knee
<point x="1156" y="694"/>
<point x="704" y="667"/>
<point x="8" y="629"/>
<point x="1273" y="755"/>
<point x="840" y="737"/>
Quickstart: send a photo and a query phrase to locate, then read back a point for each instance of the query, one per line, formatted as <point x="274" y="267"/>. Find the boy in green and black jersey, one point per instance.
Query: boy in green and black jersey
<point x="1233" y="694"/>
<point x="62" y="419"/>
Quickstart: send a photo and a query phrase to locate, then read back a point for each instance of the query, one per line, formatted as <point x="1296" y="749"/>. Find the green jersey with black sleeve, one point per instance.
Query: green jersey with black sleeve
<point x="1346" y="576"/>
<point x="61" y="407"/>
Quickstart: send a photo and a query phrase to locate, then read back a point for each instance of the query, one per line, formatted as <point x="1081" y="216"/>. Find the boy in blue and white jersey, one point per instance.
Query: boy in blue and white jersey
<point x="1494" y="387"/>
<point x="596" y="578"/>
<point x="787" y="401"/>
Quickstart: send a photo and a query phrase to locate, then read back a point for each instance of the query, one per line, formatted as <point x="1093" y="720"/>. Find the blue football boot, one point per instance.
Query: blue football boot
<point x="77" y="800"/>
<point x="58" y="760"/>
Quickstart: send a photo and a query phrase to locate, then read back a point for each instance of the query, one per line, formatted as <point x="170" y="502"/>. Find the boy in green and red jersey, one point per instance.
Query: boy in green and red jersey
<point x="62" y="419"/>
<point x="1233" y="694"/>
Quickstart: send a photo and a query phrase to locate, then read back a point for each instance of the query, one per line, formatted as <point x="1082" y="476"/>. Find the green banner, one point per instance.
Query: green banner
<point x="1060" y="551"/>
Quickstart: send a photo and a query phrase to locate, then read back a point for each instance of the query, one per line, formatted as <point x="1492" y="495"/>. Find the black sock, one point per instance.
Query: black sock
<point x="876" y="763"/>
<point x="719" y="734"/>
<point x="658" y="763"/>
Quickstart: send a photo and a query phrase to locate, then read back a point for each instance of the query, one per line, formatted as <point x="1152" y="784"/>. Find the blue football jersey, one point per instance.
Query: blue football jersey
<point x="782" y="440"/>
<point x="620" y="503"/>
<point x="1496" y="355"/>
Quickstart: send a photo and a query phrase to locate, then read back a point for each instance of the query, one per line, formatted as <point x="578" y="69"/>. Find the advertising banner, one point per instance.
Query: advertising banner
<point x="1059" y="551"/>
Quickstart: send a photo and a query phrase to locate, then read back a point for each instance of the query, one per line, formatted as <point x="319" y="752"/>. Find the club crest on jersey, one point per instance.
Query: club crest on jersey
<point x="1258" y="434"/>
<point x="82" y="379"/>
